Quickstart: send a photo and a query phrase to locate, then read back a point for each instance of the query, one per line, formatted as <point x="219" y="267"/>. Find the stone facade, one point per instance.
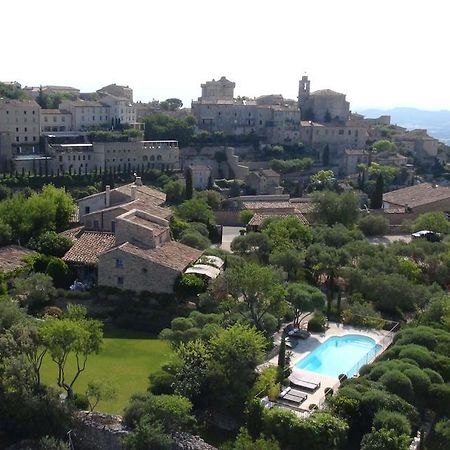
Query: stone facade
<point x="200" y="176"/>
<point x="270" y="117"/>
<point x="265" y="181"/>
<point x="55" y="120"/>
<point x="122" y="110"/>
<point x="86" y="114"/>
<point x="351" y="159"/>
<point x="21" y="119"/>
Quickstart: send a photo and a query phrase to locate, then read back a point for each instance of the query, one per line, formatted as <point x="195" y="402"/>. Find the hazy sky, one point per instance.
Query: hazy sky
<point x="380" y="53"/>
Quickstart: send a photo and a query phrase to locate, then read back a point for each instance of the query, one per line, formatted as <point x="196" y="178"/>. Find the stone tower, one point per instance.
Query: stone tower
<point x="303" y="91"/>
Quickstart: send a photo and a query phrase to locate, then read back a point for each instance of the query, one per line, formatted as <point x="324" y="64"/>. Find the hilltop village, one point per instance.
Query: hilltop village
<point x="240" y="274"/>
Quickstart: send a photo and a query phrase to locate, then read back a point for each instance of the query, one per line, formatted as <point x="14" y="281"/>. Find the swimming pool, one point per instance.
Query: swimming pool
<point x="340" y="354"/>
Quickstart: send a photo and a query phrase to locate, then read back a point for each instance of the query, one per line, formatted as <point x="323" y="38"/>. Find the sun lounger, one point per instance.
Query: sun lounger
<point x="293" y="396"/>
<point x="304" y="384"/>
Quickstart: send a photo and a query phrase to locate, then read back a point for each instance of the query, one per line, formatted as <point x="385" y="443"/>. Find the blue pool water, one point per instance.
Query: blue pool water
<point x="340" y="354"/>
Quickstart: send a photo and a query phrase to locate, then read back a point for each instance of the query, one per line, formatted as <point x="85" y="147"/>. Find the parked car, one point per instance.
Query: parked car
<point x="431" y="236"/>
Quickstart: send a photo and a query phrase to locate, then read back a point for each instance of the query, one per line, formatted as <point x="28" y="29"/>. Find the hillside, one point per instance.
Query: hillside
<point x="436" y="122"/>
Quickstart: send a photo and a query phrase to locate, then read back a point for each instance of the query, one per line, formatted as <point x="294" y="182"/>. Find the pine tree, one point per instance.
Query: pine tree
<point x="189" y="187"/>
<point x="377" y="196"/>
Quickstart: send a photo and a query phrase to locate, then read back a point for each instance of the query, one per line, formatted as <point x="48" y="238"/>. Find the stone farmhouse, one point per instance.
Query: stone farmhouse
<point x="410" y="202"/>
<point x="124" y="241"/>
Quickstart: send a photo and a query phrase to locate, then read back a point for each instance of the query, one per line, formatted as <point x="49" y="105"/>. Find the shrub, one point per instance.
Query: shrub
<point x="385" y="439"/>
<point x="60" y="273"/>
<point x="194" y="239"/>
<point x="317" y="323"/>
<point x="392" y="420"/>
<point x="81" y="401"/>
<point x="398" y="383"/>
<point x="190" y="284"/>
<point x="245" y="216"/>
<point x="51" y="243"/>
<point x="435" y="377"/>
<point x="439" y="399"/>
<point x="373" y="225"/>
<point x="417" y="353"/>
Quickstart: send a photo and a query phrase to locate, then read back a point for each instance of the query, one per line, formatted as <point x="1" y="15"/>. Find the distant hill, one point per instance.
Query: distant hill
<point x="436" y="122"/>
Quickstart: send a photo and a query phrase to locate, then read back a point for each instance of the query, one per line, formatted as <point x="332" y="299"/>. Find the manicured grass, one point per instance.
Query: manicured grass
<point x="125" y="361"/>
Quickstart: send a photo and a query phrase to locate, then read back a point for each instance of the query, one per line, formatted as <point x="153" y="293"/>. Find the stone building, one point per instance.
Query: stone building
<point x="80" y="156"/>
<point x="270" y="117"/>
<point x="117" y="90"/>
<point x="122" y="111"/>
<point x="351" y="159"/>
<point x="21" y="119"/>
<point x="201" y="176"/>
<point x="423" y="146"/>
<point x="265" y="181"/>
<point x="86" y="114"/>
<point x="324" y="105"/>
<point x="125" y="242"/>
<point x="55" y="120"/>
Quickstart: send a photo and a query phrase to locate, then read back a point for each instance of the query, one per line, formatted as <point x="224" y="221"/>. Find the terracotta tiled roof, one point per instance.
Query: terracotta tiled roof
<point x="88" y="246"/>
<point x="172" y="254"/>
<point x="418" y="195"/>
<point x="73" y="233"/>
<point x="143" y="191"/>
<point x="258" y="206"/>
<point x="259" y="218"/>
<point x="11" y="257"/>
<point x="304" y="207"/>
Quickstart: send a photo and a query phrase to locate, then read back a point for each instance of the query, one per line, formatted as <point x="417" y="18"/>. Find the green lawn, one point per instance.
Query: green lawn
<point x="126" y="360"/>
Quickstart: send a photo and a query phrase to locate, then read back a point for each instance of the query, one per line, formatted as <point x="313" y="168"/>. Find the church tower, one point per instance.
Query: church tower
<point x="303" y="91"/>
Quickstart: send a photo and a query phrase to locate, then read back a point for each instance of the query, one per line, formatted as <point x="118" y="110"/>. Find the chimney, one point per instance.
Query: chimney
<point x="138" y="181"/>
<point x="133" y="192"/>
<point x="108" y="196"/>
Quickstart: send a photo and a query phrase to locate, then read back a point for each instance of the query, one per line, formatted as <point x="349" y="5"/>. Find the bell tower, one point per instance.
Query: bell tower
<point x="303" y="91"/>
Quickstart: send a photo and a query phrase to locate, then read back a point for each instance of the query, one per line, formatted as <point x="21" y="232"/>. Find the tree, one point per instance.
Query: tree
<point x="245" y="216"/>
<point x="287" y="233"/>
<point x="51" y="243"/>
<point x="291" y="261"/>
<point x="257" y="244"/>
<point x="189" y="184"/>
<point x="235" y="354"/>
<point x="325" y="264"/>
<point x="376" y="201"/>
<point x="213" y="198"/>
<point x="5" y="233"/>
<point x="175" y="191"/>
<point x="23" y="340"/>
<point x="323" y="179"/>
<point x="384" y="145"/>
<point x="99" y="391"/>
<point x="148" y="434"/>
<point x="194" y="239"/>
<point x="331" y="208"/>
<point x="385" y="439"/>
<point x="282" y="358"/>
<point x="162" y="126"/>
<point x="73" y="334"/>
<point x="173" y="412"/>
<point x="260" y="289"/>
<point x="373" y="225"/>
<point x="432" y="221"/>
<point x="195" y="210"/>
<point x="245" y="442"/>
<point x="173" y="104"/>
<point x="192" y="373"/>
<point x="35" y="290"/>
<point x="442" y="434"/>
<point x="305" y="300"/>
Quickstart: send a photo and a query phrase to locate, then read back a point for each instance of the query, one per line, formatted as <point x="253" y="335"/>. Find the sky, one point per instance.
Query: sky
<point x="382" y="53"/>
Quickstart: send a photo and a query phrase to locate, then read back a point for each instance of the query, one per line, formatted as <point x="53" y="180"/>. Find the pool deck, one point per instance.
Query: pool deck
<point x="305" y="347"/>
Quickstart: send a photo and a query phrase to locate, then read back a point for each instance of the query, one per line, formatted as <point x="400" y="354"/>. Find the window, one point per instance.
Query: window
<point x="349" y="132"/>
<point x="87" y="209"/>
<point x="45" y="119"/>
<point x="25" y="129"/>
<point x="54" y="118"/>
<point x="119" y="263"/>
<point x="96" y="225"/>
<point x="341" y="132"/>
<point x="63" y="119"/>
<point x="120" y="281"/>
<point x="17" y="130"/>
<point x="26" y="138"/>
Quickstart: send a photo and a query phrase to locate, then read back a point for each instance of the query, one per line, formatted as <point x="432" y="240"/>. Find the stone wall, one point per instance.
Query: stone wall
<point x="105" y="432"/>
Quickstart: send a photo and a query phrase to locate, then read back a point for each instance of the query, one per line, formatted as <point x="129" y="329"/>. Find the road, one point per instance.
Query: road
<point x="229" y="233"/>
<point x="388" y="239"/>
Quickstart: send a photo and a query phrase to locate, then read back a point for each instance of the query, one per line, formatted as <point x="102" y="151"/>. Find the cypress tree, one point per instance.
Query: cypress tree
<point x="377" y="196"/>
<point x="282" y="358"/>
<point x="189" y="187"/>
<point x="326" y="156"/>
